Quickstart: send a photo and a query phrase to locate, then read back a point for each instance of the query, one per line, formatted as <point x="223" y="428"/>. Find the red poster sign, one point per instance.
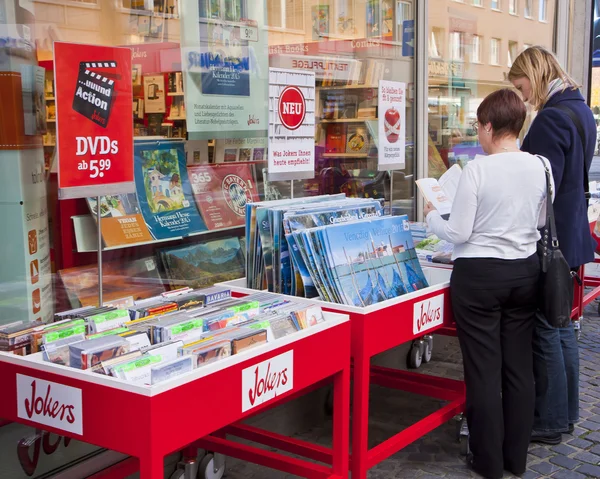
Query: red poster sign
<point x="94" y="120"/>
<point x="221" y="193"/>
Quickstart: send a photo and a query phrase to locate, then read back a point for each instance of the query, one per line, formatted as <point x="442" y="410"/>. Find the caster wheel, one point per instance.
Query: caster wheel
<point x="178" y="474"/>
<point x="428" y="350"/>
<point x="207" y="469"/>
<point x="464" y="445"/>
<point x="329" y="403"/>
<point x="415" y="356"/>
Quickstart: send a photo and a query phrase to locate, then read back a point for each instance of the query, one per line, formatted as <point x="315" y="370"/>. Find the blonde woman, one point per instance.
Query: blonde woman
<point x="564" y="131"/>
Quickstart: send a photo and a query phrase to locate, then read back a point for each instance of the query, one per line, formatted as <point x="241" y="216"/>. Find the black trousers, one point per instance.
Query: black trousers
<point x="494" y="304"/>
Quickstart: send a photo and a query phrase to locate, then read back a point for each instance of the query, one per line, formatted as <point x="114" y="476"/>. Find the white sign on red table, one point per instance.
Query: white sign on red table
<point x="291" y="124"/>
<point x="267" y="380"/>
<point x="392" y="125"/>
<point x="428" y="314"/>
<point x="50" y="404"/>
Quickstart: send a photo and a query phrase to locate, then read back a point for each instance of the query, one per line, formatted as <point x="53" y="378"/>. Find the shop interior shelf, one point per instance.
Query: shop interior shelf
<point x="349" y="120"/>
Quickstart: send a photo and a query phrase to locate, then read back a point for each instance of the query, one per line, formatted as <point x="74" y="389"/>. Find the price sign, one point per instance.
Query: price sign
<point x="94" y="121"/>
<point x="249" y="33"/>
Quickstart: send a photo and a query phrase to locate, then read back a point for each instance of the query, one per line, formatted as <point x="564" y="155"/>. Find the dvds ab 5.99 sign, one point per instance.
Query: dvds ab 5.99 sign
<point x="392" y="125"/>
<point x="291" y="124"/>
<point x="94" y="122"/>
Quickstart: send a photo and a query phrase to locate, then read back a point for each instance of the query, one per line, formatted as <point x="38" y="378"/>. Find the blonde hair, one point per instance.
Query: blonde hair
<point x="540" y="67"/>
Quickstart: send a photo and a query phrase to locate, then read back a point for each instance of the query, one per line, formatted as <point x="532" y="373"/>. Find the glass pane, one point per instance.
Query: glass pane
<point x="475" y="64"/>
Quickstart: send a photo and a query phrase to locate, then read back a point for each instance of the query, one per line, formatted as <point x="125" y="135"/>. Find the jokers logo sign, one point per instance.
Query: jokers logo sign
<point x="50" y="404"/>
<point x="292" y="108"/>
<point x="267" y="380"/>
<point x="428" y="314"/>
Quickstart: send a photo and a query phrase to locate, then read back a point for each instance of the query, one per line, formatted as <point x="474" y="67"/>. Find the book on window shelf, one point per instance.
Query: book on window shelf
<point x="357" y="139"/>
<point x="136" y="277"/>
<point x="204" y="263"/>
<point x="335" y="141"/>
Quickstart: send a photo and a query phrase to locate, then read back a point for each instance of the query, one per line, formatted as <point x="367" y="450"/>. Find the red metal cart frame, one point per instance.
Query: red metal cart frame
<point x="381" y="327"/>
<point x="149" y="423"/>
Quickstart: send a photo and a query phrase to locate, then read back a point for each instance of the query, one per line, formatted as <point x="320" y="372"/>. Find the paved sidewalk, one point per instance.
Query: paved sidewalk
<point x="438" y="454"/>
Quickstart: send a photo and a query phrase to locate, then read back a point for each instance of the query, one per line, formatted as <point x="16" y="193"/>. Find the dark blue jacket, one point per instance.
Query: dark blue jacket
<point x="554" y="136"/>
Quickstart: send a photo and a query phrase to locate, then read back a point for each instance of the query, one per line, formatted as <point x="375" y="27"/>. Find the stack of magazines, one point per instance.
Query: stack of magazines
<point x="334" y="248"/>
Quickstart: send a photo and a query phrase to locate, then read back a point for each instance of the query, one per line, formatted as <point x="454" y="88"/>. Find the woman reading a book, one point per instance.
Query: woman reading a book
<point x="564" y="131"/>
<point x="494" y="220"/>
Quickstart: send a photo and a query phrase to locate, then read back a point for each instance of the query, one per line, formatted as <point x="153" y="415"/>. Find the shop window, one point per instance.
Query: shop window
<point x="543" y="7"/>
<point x="436" y="43"/>
<point x="495" y="4"/>
<point x="495" y="51"/>
<point x="457" y="46"/>
<point x="476" y="49"/>
<point x="528" y="8"/>
<point x="513" y="51"/>
<point x="512" y="7"/>
<point x="286" y="14"/>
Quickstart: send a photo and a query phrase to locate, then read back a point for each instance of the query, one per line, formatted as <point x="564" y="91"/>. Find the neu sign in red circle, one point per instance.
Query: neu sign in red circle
<point x="292" y="107"/>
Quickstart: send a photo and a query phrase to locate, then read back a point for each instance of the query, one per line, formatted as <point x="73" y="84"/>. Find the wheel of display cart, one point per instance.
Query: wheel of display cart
<point x="428" y="349"/>
<point x="178" y="474"/>
<point x="209" y="469"/>
<point x="462" y="433"/>
<point x="415" y="355"/>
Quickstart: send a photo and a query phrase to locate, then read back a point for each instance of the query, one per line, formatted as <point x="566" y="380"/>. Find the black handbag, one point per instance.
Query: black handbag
<point x="555" y="297"/>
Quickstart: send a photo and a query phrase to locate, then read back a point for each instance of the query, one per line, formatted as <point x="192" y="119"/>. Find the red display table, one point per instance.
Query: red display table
<point x="381" y="327"/>
<point x="148" y="423"/>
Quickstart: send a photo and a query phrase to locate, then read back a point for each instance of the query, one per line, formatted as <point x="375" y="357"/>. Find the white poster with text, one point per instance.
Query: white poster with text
<point x="291" y="124"/>
<point x="392" y="125"/>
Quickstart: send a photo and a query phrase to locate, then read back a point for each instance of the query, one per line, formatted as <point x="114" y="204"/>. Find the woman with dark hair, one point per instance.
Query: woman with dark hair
<point x="564" y="131"/>
<point x="498" y="208"/>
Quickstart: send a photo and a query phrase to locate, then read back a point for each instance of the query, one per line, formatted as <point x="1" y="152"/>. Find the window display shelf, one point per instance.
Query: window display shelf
<point x="346" y="87"/>
<point x="349" y="120"/>
<point x="86" y="235"/>
<point x="345" y="155"/>
<point x="175" y="93"/>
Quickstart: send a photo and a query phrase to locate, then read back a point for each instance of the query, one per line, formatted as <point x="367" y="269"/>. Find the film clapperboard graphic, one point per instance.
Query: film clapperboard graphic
<point x="96" y="90"/>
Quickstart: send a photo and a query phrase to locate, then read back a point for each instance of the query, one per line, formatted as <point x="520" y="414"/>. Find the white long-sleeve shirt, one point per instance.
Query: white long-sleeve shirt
<point x="498" y="208"/>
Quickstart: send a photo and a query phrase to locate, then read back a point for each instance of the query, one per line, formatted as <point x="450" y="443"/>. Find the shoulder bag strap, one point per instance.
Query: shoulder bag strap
<point x="550" y="221"/>
<point x="579" y="127"/>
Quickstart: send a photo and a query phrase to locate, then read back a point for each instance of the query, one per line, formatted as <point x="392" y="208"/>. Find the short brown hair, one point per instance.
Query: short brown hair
<point x="540" y="67"/>
<point x="505" y="111"/>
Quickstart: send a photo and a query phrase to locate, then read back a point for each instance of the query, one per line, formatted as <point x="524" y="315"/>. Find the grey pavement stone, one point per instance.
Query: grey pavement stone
<point x="569" y="475"/>
<point x="587" y="457"/>
<point x="540" y="452"/>
<point x="545" y="468"/>
<point x="589" y="470"/>
<point x="564" y="461"/>
<point x="564" y="449"/>
<point x="580" y="443"/>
